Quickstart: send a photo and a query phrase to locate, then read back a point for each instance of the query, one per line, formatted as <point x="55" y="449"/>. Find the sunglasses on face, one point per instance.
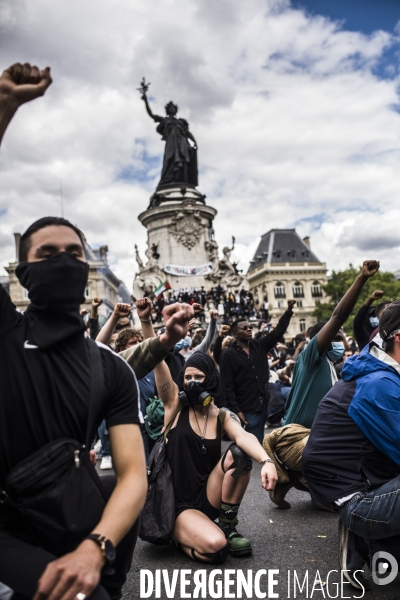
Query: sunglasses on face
<point x="245" y="328"/>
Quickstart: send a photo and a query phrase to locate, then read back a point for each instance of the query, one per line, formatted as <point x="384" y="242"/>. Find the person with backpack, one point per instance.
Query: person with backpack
<point x="206" y="486"/>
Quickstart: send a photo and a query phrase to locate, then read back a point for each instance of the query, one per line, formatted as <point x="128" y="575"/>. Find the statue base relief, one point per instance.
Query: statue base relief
<point x="181" y="248"/>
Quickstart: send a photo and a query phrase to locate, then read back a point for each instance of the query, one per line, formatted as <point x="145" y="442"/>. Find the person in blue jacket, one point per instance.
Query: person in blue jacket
<point x="352" y="457"/>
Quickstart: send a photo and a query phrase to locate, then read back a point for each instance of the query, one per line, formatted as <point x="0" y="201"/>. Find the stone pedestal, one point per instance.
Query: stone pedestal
<point x="181" y="245"/>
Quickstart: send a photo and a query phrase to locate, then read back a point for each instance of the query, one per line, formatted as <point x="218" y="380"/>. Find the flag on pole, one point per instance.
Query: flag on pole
<point x="163" y="287"/>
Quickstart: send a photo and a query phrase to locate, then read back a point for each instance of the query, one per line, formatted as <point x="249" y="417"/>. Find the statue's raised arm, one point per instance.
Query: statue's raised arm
<point x="156" y="118"/>
<point x="144" y="87"/>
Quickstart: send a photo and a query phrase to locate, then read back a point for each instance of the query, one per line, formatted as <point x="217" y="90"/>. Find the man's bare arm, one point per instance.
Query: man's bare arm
<point x="120" y="310"/>
<point x="345" y="306"/>
<point x="79" y="571"/>
<point x="20" y="84"/>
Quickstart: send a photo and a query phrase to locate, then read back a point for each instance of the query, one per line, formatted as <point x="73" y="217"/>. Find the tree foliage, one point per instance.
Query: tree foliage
<point x="339" y="283"/>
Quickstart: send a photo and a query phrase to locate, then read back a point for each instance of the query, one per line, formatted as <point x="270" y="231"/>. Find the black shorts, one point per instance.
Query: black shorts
<point x="202" y="504"/>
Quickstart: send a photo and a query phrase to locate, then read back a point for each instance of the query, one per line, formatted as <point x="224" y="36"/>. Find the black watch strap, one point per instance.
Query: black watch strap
<point x="107" y="548"/>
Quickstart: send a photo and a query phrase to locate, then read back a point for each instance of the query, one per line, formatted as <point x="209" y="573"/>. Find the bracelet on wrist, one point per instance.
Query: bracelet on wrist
<point x="267" y="460"/>
<point x="145" y="320"/>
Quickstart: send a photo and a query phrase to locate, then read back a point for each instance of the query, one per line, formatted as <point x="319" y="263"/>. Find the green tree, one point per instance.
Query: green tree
<point x="339" y="283"/>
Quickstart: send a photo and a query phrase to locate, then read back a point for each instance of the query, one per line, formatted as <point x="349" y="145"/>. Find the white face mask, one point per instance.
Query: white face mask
<point x="374" y="322"/>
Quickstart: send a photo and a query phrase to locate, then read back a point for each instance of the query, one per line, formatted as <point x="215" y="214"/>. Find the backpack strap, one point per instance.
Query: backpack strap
<point x="169" y="426"/>
<point x="222" y="416"/>
<point x="97" y="404"/>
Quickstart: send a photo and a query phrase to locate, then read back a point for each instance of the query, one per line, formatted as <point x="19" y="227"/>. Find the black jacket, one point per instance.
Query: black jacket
<point x="362" y="328"/>
<point x="246" y="375"/>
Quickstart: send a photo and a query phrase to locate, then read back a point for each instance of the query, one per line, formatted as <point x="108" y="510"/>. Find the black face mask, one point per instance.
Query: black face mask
<point x="58" y="283"/>
<point x="56" y="289"/>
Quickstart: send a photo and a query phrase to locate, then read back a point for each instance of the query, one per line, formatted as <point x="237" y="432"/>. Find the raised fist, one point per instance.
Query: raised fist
<point x="96" y="302"/>
<point x="22" y="83"/>
<point x="122" y="310"/>
<point x="290" y="304"/>
<point x="370" y="267"/>
<point x="144" y="307"/>
<point x="197" y="308"/>
<point x="224" y="330"/>
<point x="177" y="317"/>
<point x="213" y="315"/>
<point x="376" y="294"/>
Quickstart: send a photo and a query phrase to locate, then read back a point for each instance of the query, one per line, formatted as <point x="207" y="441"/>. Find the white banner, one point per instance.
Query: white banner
<point x="188" y="271"/>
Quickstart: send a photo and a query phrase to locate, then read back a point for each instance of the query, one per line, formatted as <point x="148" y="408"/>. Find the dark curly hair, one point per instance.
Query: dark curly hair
<point x="124" y="336"/>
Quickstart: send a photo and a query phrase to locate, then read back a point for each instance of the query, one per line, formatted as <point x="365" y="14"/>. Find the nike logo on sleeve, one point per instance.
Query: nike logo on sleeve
<point x="29" y="346"/>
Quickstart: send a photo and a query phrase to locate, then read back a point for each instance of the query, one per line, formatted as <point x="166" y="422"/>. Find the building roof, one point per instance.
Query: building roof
<point x="282" y="246"/>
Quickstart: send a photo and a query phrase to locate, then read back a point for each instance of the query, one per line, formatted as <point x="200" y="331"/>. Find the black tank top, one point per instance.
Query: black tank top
<point x="190" y="468"/>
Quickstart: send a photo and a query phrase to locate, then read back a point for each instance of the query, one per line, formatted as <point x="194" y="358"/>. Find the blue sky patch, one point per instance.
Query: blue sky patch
<point x="356" y="15"/>
<point x="130" y="173"/>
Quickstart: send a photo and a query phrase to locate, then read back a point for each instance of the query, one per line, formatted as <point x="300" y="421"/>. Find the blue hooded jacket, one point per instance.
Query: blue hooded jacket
<point x="375" y="406"/>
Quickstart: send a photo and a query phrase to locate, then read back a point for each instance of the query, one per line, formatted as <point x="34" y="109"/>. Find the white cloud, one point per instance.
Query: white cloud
<point x="293" y="126"/>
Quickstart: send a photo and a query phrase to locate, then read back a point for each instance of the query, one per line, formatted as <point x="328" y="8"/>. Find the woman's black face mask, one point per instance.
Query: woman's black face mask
<point x="57" y="283"/>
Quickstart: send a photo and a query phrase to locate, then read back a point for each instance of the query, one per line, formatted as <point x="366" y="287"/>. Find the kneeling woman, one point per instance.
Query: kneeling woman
<point x="207" y="487"/>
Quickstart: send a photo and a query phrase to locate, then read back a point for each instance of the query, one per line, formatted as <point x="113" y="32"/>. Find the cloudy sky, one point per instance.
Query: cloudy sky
<point x="294" y="105"/>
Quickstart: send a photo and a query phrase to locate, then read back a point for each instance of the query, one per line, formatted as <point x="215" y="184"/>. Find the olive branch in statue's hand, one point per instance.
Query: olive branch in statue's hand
<point x="144" y="87"/>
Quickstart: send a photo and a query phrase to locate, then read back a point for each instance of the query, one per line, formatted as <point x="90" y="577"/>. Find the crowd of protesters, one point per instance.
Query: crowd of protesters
<point x="231" y="305"/>
<point x="333" y="401"/>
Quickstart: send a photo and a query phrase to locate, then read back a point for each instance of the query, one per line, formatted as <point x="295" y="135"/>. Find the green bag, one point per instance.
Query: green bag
<point x="154" y="419"/>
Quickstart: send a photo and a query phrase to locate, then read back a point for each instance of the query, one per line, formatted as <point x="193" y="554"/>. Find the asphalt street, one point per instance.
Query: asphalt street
<point x="300" y="539"/>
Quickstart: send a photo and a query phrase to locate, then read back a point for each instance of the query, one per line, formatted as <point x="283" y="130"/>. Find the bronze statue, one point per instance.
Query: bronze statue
<point x="180" y="157"/>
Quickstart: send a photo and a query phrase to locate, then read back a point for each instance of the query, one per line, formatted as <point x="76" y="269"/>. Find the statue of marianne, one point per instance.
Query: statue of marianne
<point x="180" y="157"/>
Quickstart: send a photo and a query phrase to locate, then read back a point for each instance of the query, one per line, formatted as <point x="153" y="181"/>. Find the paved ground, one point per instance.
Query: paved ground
<point x="301" y="539"/>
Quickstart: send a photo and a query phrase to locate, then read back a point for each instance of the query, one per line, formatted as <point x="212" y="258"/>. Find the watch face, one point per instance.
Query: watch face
<point x="109" y="551"/>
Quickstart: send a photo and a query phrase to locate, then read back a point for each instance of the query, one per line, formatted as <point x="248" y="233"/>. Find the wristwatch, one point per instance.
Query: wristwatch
<point x="107" y="548"/>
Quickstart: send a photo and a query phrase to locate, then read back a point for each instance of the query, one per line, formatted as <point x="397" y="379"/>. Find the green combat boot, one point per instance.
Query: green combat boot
<point x="238" y="545"/>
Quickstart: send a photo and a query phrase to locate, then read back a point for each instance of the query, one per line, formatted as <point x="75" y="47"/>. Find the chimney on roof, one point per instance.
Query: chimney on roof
<point x="306" y="240"/>
<point x="17" y="237"/>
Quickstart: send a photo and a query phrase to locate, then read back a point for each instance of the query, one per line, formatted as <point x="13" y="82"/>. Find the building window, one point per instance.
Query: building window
<point x="298" y="290"/>
<point x="281" y="304"/>
<point x="316" y="291"/>
<point x="299" y="303"/>
<point x="26" y="294"/>
<point x="279" y="290"/>
<point x="292" y="254"/>
<point x="302" y="325"/>
<point x="87" y="292"/>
